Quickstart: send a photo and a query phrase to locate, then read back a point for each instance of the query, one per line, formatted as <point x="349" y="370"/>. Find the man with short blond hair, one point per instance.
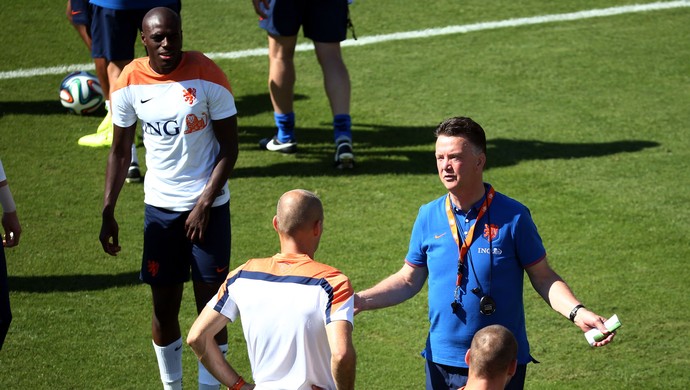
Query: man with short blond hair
<point x="492" y="358"/>
<point x="296" y="313"/>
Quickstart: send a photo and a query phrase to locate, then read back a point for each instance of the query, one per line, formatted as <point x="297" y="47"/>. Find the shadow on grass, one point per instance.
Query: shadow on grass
<point x="41" y="107"/>
<point x="260" y="103"/>
<point x="247" y="105"/>
<point x="383" y="149"/>
<point x="71" y="283"/>
<point x="379" y="149"/>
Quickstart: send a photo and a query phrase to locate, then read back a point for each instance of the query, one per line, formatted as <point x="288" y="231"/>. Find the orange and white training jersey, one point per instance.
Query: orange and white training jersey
<point x="176" y="110"/>
<point x="285" y="303"/>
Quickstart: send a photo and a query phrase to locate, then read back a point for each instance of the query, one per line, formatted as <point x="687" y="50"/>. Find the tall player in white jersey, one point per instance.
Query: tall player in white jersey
<point x="189" y="123"/>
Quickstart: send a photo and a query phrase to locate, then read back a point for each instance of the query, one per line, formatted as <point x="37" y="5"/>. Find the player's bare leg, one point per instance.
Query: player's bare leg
<point x="165" y="330"/>
<point x="203" y="292"/>
<point x="336" y="80"/>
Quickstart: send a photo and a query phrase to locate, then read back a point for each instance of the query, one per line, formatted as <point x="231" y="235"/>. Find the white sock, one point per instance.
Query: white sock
<point x="170" y="364"/>
<point x="206" y="380"/>
<point x="135" y="158"/>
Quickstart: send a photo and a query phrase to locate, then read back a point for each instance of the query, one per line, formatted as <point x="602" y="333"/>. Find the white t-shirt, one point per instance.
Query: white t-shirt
<point x="176" y="111"/>
<point x="285" y="303"/>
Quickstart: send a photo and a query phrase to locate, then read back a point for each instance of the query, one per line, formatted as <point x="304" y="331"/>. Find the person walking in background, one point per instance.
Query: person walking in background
<point x="10" y="238"/>
<point x="79" y="15"/>
<point x="188" y="116"/>
<point x="114" y="28"/>
<point x="492" y="359"/>
<point x="325" y="23"/>
<point x="296" y="313"/>
<point x="474" y="245"/>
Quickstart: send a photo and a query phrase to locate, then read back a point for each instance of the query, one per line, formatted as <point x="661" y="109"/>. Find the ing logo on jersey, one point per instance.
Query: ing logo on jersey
<point x="189" y="95"/>
<point x="194" y="123"/>
<point x="490" y="231"/>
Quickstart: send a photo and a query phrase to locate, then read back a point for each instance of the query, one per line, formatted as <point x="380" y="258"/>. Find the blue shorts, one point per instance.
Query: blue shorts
<point x="80" y="12"/>
<point x="114" y="32"/>
<point x="322" y="20"/>
<point x="169" y="255"/>
<point x="440" y="376"/>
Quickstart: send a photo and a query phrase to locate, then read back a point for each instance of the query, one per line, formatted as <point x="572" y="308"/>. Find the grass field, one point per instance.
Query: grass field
<point x="587" y="123"/>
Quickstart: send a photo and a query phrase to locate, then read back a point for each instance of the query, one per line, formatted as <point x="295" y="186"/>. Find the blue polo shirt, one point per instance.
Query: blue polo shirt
<point x="515" y="246"/>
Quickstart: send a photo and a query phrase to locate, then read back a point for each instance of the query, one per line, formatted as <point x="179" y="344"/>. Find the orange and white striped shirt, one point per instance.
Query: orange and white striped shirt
<point x="176" y="110"/>
<point x="285" y="303"/>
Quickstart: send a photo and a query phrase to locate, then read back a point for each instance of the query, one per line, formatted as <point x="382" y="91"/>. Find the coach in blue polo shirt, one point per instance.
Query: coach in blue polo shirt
<point x="473" y="245"/>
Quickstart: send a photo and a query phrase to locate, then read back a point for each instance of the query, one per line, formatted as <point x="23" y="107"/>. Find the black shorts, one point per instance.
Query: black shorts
<point x="169" y="255"/>
<point x="321" y="20"/>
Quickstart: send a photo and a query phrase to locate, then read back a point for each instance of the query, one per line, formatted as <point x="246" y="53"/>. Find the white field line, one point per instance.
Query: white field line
<point x="432" y="32"/>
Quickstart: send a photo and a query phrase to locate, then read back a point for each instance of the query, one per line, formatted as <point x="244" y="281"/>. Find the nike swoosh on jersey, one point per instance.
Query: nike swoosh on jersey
<point x="145" y="100"/>
<point x="437" y="236"/>
<point x="219" y="270"/>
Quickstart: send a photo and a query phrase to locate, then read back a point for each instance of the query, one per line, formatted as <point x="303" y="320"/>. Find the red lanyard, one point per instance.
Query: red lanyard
<point x="462" y="249"/>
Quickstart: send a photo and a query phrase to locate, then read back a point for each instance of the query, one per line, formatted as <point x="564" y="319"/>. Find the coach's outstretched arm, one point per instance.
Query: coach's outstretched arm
<point x="115" y="174"/>
<point x="393" y="290"/>
<point x="556" y="292"/>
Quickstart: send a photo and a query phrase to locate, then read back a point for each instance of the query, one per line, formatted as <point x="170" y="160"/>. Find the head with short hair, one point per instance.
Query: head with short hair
<point x="493" y="352"/>
<point x="463" y="127"/>
<point x="161" y="34"/>
<point x="298" y="210"/>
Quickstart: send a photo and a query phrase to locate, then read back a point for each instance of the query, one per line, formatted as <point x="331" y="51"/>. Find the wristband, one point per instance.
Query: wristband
<point x="573" y="312"/>
<point x="238" y="385"/>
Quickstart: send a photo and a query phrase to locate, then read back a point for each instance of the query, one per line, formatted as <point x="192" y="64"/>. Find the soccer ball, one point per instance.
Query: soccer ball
<point x="81" y="93"/>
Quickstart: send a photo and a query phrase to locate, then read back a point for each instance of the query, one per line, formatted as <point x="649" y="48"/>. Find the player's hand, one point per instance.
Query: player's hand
<point x="588" y="320"/>
<point x="109" y="236"/>
<point x="10" y="223"/>
<point x="260" y="6"/>
<point x="196" y="223"/>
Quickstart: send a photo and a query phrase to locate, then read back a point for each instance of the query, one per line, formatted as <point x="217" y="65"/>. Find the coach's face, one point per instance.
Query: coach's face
<point x="162" y="36"/>
<point x="458" y="162"/>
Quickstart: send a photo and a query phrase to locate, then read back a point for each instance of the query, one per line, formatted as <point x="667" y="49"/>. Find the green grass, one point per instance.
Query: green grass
<point x="587" y="125"/>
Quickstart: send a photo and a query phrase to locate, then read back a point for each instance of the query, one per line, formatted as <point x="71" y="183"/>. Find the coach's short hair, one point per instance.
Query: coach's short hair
<point x="460" y="126"/>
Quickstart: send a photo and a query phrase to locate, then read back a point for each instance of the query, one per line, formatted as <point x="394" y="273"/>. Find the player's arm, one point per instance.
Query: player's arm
<point x="393" y="290"/>
<point x="10" y="221"/>
<point x="115" y="173"/>
<point x="343" y="355"/>
<point x="556" y="292"/>
<point x="201" y="339"/>
<point x="226" y="133"/>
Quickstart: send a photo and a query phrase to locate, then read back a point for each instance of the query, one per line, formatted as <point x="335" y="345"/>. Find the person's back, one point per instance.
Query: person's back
<point x="285" y="303"/>
<point x="296" y="313"/>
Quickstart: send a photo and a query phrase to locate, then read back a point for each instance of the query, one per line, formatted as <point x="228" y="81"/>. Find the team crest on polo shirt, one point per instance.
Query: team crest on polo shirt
<point x="490" y="231"/>
<point x="189" y="95"/>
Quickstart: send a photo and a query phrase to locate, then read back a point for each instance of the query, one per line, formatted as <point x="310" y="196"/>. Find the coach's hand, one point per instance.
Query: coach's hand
<point x="587" y="319"/>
